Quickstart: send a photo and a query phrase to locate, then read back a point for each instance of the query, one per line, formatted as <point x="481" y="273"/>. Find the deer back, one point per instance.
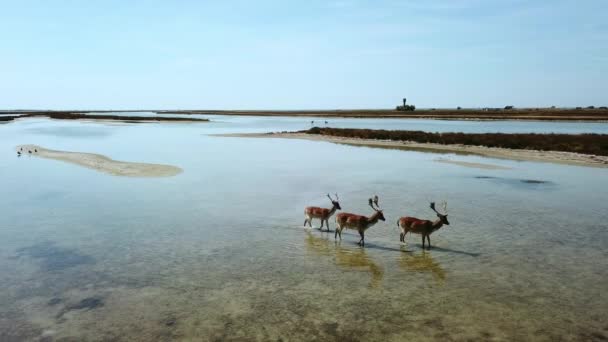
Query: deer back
<point x="416" y="225"/>
<point x="349" y="220"/>
<point x="317" y="212"/>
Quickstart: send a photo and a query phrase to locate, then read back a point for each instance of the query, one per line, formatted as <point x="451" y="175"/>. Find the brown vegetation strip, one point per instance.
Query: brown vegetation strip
<point x="81" y="116"/>
<point x="595" y="144"/>
<point x="560" y="114"/>
<point x="77" y="116"/>
<point x="7" y="118"/>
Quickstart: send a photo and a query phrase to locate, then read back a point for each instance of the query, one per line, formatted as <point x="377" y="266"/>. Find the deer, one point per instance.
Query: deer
<point x="359" y="223"/>
<point x="423" y="227"/>
<point x="321" y="213"/>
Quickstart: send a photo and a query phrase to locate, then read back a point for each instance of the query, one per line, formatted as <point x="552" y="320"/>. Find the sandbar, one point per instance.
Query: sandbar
<point x="101" y="163"/>
<point x="569" y="158"/>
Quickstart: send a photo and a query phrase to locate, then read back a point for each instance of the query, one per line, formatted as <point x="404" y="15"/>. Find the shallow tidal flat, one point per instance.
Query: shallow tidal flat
<point x="100" y="163"/>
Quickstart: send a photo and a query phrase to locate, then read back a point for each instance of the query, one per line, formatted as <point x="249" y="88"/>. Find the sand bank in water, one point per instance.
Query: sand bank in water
<point x="472" y="165"/>
<point x="102" y="163"/>
<point x="492" y="152"/>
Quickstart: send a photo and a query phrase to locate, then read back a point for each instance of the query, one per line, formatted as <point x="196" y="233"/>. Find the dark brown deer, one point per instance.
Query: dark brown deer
<point x="321" y="213"/>
<point x="359" y="223"/>
<point x="423" y="227"/>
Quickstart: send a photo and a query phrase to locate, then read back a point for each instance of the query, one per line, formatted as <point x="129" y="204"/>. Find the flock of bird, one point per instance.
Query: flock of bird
<point x="28" y="151"/>
<point x="361" y="223"/>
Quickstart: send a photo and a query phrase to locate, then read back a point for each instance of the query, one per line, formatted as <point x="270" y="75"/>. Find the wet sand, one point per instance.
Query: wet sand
<point x="101" y="163"/>
<point x="492" y="152"/>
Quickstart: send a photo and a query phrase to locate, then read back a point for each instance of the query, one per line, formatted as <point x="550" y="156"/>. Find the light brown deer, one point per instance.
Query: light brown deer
<point x="321" y="213"/>
<point x="423" y="227"/>
<point x="359" y="223"/>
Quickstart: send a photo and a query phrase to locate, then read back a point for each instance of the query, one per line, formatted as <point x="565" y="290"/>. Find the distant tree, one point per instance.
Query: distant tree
<point x="508" y="107"/>
<point x="552" y="107"/>
<point x="603" y="107"/>
<point x="579" y="107"/>
<point x="459" y="108"/>
<point x="591" y="107"/>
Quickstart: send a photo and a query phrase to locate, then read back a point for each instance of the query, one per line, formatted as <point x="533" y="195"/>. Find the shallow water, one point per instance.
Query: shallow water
<point x="268" y="123"/>
<point x="218" y="252"/>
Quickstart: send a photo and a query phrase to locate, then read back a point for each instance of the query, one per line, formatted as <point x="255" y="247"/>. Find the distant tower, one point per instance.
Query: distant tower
<point x="404" y="101"/>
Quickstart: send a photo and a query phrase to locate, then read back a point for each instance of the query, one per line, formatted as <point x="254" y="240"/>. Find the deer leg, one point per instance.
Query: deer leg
<point x="362" y="241"/>
<point x="428" y="237"/>
<point x="305" y="220"/>
<point x="327" y="224"/>
<point x="321" y="228"/>
<point x="422" y="241"/>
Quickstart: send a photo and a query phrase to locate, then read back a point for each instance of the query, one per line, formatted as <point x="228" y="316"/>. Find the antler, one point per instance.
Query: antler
<point x="433" y="207"/>
<point x="374" y="201"/>
<point x="337" y="198"/>
<point x="444" y="205"/>
<point x="329" y="197"/>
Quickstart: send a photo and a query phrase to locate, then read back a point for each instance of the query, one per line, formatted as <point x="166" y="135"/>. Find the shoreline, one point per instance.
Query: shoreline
<point x="568" y="158"/>
<point x="599" y="114"/>
<point x="101" y="163"/>
<point x="524" y="114"/>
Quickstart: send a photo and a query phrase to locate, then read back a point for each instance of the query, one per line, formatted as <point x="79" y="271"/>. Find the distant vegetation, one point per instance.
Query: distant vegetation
<point x="596" y="144"/>
<point x="406" y="107"/>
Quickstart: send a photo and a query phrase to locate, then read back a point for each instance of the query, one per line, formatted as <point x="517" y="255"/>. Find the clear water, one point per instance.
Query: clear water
<point x="218" y="252"/>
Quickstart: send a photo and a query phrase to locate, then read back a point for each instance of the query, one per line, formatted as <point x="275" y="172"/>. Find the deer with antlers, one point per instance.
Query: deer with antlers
<point x="423" y="227"/>
<point x="359" y="223"/>
<point x="321" y="213"/>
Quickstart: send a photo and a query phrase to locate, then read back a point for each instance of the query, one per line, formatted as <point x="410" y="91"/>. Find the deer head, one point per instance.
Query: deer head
<point x="443" y="217"/>
<point x="335" y="203"/>
<point x="377" y="210"/>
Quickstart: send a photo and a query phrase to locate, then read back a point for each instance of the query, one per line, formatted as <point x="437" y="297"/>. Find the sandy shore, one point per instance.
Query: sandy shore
<point x="101" y="163"/>
<point x="492" y="152"/>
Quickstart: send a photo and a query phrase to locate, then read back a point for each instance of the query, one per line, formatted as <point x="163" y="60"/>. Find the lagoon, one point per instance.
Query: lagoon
<point x="218" y="252"/>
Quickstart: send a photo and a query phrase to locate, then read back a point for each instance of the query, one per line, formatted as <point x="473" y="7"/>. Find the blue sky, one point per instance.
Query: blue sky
<point x="310" y="54"/>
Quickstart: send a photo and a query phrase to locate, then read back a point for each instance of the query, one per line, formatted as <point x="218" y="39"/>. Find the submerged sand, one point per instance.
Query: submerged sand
<point x="569" y="158"/>
<point x="472" y="165"/>
<point x="101" y="163"/>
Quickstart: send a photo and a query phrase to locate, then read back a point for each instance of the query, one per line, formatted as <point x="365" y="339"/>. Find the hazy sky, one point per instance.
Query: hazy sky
<point x="307" y="54"/>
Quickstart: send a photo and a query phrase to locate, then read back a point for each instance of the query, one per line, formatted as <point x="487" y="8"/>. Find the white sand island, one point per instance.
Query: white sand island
<point x="101" y="163"/>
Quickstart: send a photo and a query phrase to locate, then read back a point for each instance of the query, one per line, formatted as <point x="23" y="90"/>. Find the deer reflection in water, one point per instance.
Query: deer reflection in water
<point x="345" y="258"/>
<point x="422" y="263"/>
